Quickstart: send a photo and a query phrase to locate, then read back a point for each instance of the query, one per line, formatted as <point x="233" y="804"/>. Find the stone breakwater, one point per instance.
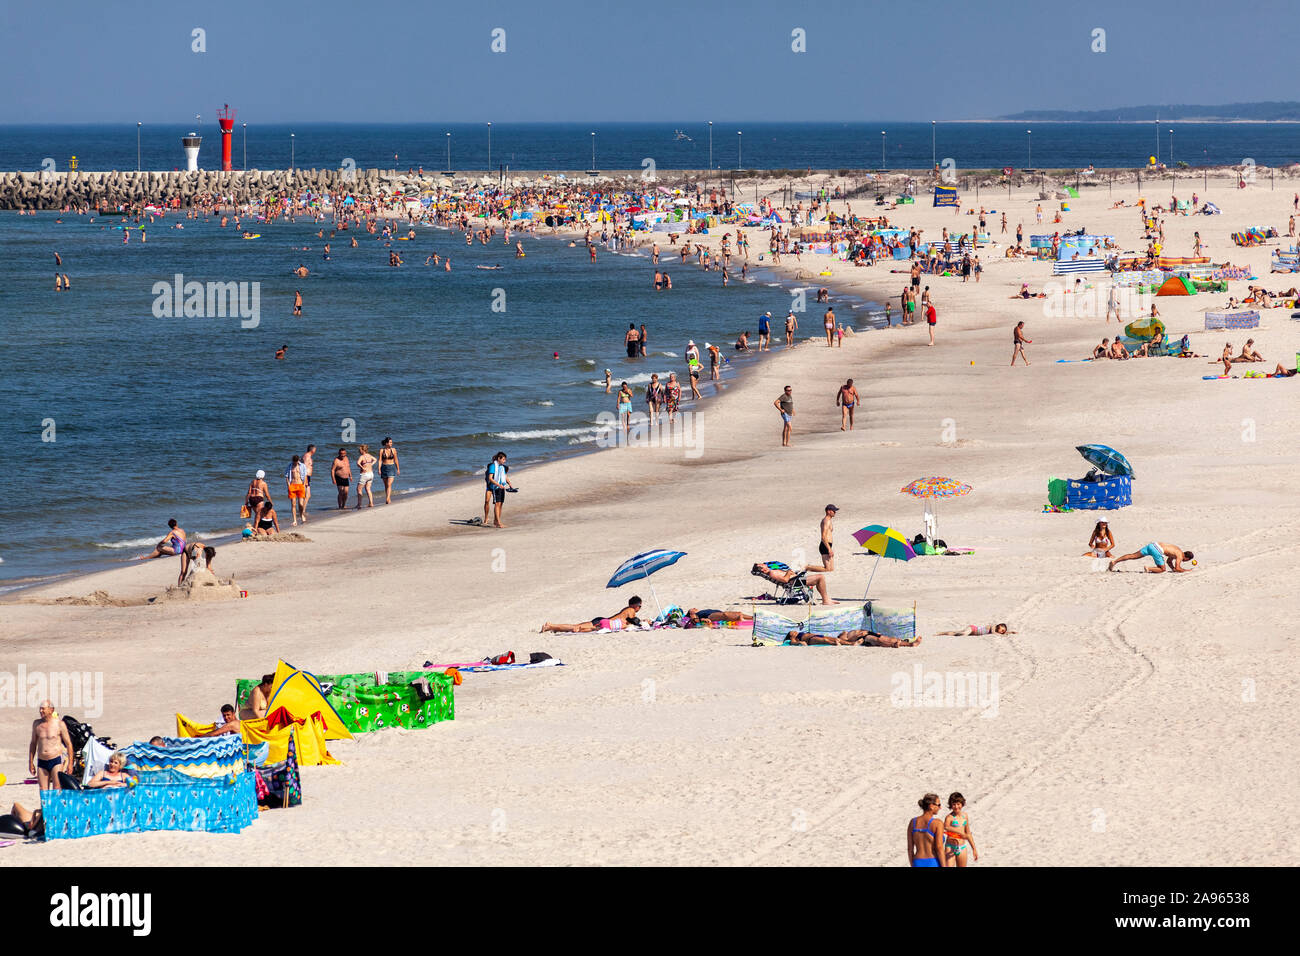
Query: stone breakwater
<point x="42" y="190"/>
<point x="100" y="190"/>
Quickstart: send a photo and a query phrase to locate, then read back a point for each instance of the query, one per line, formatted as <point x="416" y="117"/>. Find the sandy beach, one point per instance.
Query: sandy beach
<point x="1121" y="698"/>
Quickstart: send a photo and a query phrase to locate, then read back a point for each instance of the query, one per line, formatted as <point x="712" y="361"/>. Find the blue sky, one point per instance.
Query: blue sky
<point x="428" y="61"/>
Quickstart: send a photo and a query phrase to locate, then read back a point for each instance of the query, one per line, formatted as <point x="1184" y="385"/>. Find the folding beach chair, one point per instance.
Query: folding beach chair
<point x="794" y="591"/>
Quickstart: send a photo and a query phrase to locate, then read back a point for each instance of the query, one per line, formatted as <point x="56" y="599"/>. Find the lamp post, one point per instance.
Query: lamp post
<point x="137" y="147"/>
<point x="489" y="146"/>
<point x="710" y="144"/>
<point x="593" y="150"/>
<point x="882" y="149"/>
<point x="1029" y="136"/>
<point x="291" y="150"/>
<point x="245" y="147"/>
<point x="1171" y="149"/>
<point x="934" y="153"/>
<point x="738" y="152"/>
<point x="449" y="152"/>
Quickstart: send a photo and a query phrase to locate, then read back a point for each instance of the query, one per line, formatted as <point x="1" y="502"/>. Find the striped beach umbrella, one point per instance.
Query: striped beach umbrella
<point x="884" y="543"/>
<point x="642" y="566"/>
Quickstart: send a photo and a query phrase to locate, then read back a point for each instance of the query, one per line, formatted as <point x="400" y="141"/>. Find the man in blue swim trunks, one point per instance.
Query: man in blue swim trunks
<point x="765" y="332"/>
<point x="1167" y="557"/>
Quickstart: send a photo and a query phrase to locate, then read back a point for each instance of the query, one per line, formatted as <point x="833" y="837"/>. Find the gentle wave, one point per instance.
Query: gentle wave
<point x="639" y="379"/>
<point x="541" y="433"/>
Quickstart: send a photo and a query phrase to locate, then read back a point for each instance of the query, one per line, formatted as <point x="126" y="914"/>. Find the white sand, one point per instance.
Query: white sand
<point x="1129" y="705"/>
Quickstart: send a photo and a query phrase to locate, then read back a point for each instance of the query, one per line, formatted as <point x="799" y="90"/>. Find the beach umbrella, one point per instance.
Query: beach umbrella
<point x="933" y="488"/>
<point x="642" y="566"/>
<point x="1144" y="328"/>
<point x="883" y="543"/>
<point x="1106" y="459"/>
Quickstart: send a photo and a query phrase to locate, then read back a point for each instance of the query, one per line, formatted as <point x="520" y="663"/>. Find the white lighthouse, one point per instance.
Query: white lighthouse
<point x="191" y="144"/>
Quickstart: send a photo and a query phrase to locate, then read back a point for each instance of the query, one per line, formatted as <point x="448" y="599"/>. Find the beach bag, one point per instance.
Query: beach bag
<point x="245" y="512"/>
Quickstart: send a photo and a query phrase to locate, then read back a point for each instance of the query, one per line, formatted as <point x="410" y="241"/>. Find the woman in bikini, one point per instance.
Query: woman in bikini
<point x="366" y="465"/>
<point x="923" y="834"/>
<point x="1101" y="542"/>
<point x="957" y="838"/>
<point x="389" y="468"/>
<point x="256" y="494"/>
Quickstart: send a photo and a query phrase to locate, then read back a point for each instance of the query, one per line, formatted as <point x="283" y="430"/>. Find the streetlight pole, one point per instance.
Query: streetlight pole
<point x="245" y="147"/>
<point x="710" y="144"/>
<point x="489" y="147"/>
<point x="137" y="146"/>
<point x="882" y="149"/>
<point x="291" y="149"/>
<point x="593" y="150"/>
<point x="449" y="152"/>
<point x="1171" y="149"/>
<point x="934" y="153"/>
<point x="1029" y="136"/>
<point x="739" y="141"/>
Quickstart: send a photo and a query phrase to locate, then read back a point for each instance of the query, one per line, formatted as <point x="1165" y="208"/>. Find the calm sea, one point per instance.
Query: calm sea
<point x="160" y="417"/>
<point x="686" y="146"/>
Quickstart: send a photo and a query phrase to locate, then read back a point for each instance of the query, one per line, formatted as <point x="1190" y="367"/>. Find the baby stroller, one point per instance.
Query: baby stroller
<point x="793" y="591"/>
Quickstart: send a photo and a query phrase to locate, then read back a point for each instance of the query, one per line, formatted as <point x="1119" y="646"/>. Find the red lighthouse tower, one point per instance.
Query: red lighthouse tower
<point x="226" y="120"/>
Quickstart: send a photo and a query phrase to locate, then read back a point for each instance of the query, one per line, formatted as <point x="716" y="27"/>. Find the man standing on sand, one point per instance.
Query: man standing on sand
<point x="341" y="475"/>
<point x="826" y="547"/>
<point x="765" y="332"/>
<point x="1018" y="343"/>
<point x="1162" y="554"/>
<point x="50" y="751"/>
<point x="785" y="405"/>
<point x="847" y="399"/>
<point x="791" y="326"/>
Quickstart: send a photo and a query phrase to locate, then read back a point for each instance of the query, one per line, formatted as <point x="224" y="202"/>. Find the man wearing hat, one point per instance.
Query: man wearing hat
<point x="826" y="547"/>
<point x="765" y="332"/>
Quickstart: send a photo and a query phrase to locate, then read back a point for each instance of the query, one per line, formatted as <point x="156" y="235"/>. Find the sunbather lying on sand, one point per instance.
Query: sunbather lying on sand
<point x="977" y="630"/>
<point x="1281" y="372"/>
<point x="857" y="638"/>
<point x="712" y="615"/>
<point x="624" y="618"/>
<point x="817" y="581"/>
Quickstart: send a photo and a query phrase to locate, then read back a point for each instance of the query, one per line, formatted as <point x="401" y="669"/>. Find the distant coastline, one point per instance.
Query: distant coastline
<point x="1262" y="112"/>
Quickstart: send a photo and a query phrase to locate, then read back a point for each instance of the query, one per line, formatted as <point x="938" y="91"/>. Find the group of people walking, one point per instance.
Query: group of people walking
<point x="259" y="508"/>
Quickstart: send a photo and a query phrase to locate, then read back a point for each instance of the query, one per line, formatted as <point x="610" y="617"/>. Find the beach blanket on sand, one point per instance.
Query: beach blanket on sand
<point x="483" y="667"/>
<point x="897" y="622"/>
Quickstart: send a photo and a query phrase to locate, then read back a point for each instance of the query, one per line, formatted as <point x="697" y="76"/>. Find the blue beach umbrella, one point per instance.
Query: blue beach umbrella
<point x="1106" y="459"/>
<point x="642" y="566"/>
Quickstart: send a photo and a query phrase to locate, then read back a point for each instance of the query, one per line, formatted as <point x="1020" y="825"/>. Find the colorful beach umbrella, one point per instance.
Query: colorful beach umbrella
<point x="1106" y="459"/>
<point x="933" y="488"/>
<point x="1144" y="328"/>
<point x="642" y="566"/>
<point x="884" y="543"/>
